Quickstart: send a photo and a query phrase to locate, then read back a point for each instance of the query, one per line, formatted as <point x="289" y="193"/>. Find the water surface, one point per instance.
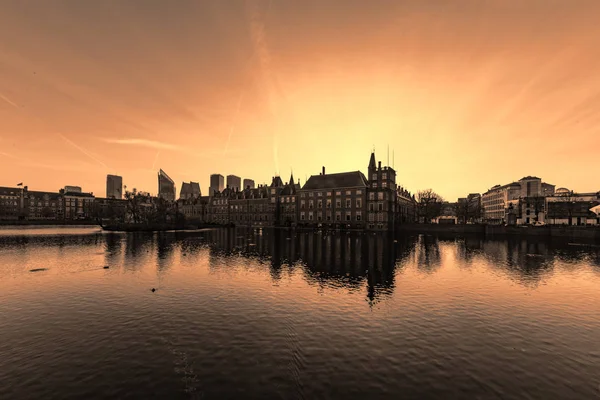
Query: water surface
<point x="248" y="314"/>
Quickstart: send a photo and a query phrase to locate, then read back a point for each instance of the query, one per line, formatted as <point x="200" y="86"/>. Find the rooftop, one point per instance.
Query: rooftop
<point x="332" y="181"/>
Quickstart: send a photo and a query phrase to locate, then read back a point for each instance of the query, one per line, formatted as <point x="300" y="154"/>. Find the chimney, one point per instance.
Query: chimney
<point x="379" y="165"/>
<point x="323" y="170"/>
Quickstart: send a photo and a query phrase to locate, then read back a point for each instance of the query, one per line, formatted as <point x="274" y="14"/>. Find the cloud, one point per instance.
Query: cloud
<point x="84" y="151"/>
<point x="144" y="143"/>
<point x="6" y="99"/>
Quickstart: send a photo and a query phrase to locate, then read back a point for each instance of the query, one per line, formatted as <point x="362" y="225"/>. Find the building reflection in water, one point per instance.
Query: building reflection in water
<point x="333" y="260"/>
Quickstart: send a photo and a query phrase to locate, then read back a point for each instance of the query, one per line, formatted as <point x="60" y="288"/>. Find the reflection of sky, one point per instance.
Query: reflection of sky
<point x="338" y="306"/>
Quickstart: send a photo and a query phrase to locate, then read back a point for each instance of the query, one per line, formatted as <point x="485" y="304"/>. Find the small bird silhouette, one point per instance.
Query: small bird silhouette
<point x="153" y="290"/>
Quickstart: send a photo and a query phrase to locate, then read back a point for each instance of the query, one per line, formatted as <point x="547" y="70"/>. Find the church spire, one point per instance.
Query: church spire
<point x="292" y="178"/>
<point x="372" y="160"/>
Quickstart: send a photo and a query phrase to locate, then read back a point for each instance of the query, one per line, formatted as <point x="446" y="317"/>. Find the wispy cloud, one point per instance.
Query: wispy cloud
<point x="82" y="150"/>
<point x="144" y="143"/>
<point x="6" y="99"/>
<point x="3" y="154"/>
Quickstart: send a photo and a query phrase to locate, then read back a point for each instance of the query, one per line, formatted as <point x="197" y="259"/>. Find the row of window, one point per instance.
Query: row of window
<point x="338" y="216"/>
<point x="328" y="194"/>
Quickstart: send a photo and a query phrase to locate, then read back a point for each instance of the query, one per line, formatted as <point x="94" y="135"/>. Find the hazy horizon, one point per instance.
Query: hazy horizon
<point x="466" y="94"/>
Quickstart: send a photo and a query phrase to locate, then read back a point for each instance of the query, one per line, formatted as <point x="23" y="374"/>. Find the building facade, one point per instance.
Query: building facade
<point x="234" y="183"/>
<point x="190" y="190"/>
<point x="166" y="186"/>
<point x="334" y="200"/>
<point x="114" y="187"/>
<point x="381" y="196"/>
<point x="248" y="184"/>
<point x="12" y="203"/>
<point x="217" y="184"/>
<point x="496" y="201"/>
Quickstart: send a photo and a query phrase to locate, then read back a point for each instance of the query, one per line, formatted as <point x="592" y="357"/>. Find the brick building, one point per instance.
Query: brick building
<point x="334" y="200"/>
<point x="381" y="199"/>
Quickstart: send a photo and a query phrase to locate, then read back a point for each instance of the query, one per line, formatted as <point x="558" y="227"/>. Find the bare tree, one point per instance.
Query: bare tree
<point x="429" y="204"/>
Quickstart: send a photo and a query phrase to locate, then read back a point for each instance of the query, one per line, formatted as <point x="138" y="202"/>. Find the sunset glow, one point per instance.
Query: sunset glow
<point x="466" y="94"/>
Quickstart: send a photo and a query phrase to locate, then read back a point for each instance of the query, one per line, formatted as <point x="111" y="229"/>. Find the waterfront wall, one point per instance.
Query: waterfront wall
<point x="549" y="231"/>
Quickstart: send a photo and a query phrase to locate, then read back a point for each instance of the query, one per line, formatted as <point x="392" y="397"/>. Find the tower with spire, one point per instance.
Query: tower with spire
<point x="381" y="197"/>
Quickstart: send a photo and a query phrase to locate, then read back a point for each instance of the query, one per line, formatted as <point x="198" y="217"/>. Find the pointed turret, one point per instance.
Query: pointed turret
<point x="292" y="179"/>
<point x="372" y="164"/>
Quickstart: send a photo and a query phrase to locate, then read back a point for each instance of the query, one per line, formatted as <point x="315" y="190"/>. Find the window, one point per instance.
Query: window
<point x="338" y="204"/>
<point x="371" y="196"/>
<point x="358" y="203"/>
<point x="310" y="216"/>
<point x="384" y="184"/>
<point x="338" y="193"/>
<point x="320" y="204"/>
<point x="328" y="216"/>
<point x="273" y="200"/>
<point x="348" y="203"/>
<point x="311" y="194"/>
<point x="310" y="204"/>
<point x="380" y="196"/>
<point x="348" y="216"/>
<point x="338" y="216"/>
<point x="272" y="191"/>
<point x="328" y="194"/>
<point x="302" y="204"/>
<point x="319" y="217"/>
<point x="301" y="194"/>
<point x="374" y="177"/>
<point x="375" y="185"/>
<point x="380" y="206"/>
<point x="371" y="217"/>
<point x="358" y="215"/>
<point x="328" y="203"/>
<point x="348" y="192"/>
<point x="293" y="198"/>
<point x="384" y="176"/>
<point x="359" y="192"/>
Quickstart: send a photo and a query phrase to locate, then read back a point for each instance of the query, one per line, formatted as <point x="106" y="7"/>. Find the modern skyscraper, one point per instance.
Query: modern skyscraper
<point x="234" y="182"/>
<point x="190" y="190"/>
<point x="166" y="186"/>
<point x="114" y="187"/>
<point x="217" y="184"/>
<point x="248" y="183"/>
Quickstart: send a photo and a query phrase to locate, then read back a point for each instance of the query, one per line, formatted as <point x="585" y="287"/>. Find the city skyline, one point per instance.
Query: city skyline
<point x="466" y="96"/>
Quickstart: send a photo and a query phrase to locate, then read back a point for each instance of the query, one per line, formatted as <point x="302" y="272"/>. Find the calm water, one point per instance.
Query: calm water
<point x="240" y="314"/>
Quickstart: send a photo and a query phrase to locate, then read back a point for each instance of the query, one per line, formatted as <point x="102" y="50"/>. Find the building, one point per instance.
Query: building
<point x="234" y="183"/>
<point x="77" y="205"/>
<point x="73" y="189"/>
<point x="114" y="187"/>
<point x="217" y="184"/>
<point x="287" y="213"/>
<point x="381" y="200"/>
<point x="12" y="203"/>
<point x="248" y="184"/>
<point x="190" y="190"/>
<point x="500" y="201"/>
<point x="110" y="209"/>
<point x="46" y="205"/>
<point x="569" y="208"/>
<point x="334" y="200"/>
<point x="166" y="186"/>
<point x="469" y="210"/>
<point x="406" y="207"/>
<point x="195" y="208"/>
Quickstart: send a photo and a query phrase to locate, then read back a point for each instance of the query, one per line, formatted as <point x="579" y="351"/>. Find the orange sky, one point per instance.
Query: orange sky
<point x="468" y="93"/>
